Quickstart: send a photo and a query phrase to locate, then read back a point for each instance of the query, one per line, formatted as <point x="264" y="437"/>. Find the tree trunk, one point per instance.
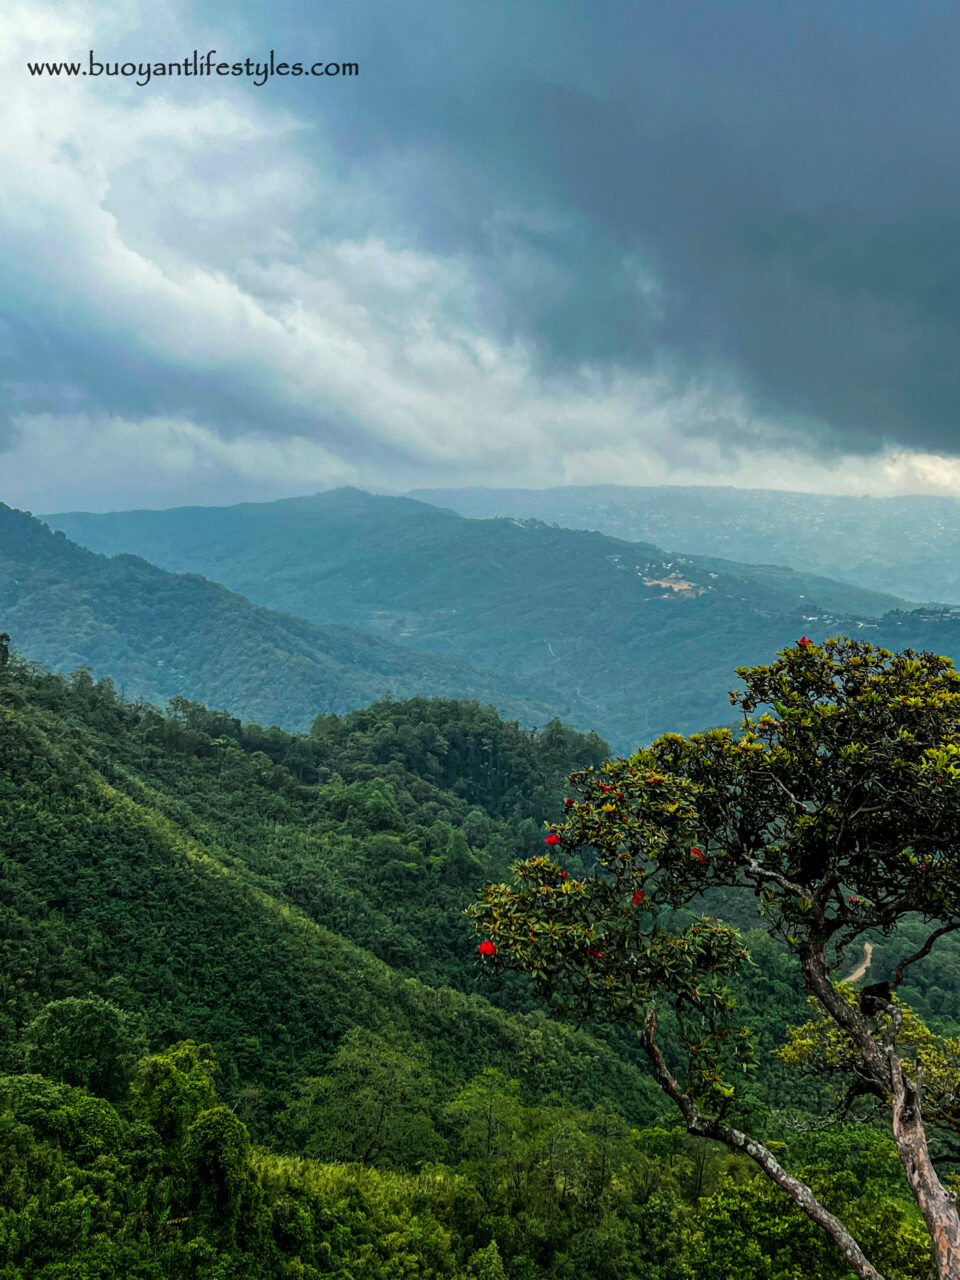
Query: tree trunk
<point x="936" y="1203"/>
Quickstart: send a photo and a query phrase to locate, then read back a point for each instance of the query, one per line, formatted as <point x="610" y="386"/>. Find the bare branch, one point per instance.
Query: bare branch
<point x="937" y="1204"/>
<point x="839" y="1114"/>
<point x="923" y="952"/>
<point x="787" y="792"/>
<point x="893" y="1031"/>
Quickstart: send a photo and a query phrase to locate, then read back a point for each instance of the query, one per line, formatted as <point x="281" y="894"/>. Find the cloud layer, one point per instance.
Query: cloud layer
<point x="528" y="244"/>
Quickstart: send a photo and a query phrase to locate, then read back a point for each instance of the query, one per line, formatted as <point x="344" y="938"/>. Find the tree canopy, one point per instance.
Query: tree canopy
<point x="837" y="807"/>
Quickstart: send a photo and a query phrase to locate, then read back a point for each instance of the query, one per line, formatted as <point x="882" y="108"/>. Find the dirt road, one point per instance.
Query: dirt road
<point x="864" y="964"/>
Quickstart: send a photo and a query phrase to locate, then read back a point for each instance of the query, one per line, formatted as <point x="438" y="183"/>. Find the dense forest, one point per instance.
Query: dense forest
<point x="245" y="1031"/>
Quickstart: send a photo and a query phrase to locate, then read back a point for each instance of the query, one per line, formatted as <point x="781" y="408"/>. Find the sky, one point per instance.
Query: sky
<point x="530" y="243"/>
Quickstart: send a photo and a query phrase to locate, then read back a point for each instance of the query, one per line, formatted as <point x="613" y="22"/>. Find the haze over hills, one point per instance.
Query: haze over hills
<point x="226" y="541"/>
<point x="645" y="640"/>
<point x="906" y="545"/>
<point x="161" y="635"/>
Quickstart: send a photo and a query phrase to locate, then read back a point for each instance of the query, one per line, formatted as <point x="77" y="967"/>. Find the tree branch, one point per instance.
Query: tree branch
<point x="787" y="792"/>
<point x="706" y="1127"/>
<point x="923" y="952"/>
<point x="936" y="1203"/>
<point x="767" y="873"/>
<point x="847" y="1016"/>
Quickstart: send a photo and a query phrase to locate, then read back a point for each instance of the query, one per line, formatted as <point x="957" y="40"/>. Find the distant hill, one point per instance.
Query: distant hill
<point x="162" y="635"/>
<point x="906" y="545"/>
<point x="643" y="640"/>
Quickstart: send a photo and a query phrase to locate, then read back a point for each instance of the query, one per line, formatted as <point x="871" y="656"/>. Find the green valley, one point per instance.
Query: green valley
<point x="246" y="1032"/>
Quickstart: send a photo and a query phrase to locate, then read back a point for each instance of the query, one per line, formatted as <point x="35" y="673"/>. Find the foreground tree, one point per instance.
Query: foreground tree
<point x="88" y="1042"/>
<point x="374" y="1107"/>
<point x="839" y="809"/>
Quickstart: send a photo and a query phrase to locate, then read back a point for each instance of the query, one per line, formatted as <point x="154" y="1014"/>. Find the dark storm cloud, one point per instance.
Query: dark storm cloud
<point x="756" y="203"/>
<point x="757" y="192"/>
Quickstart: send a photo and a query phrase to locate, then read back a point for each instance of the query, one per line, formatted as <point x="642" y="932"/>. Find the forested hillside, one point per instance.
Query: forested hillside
<point x="643" y="640"/>
<point x="907" y="545"/>
<point x="277" y="920"/>
<point x="181" y="862"/>
<point x="161" y="635"/>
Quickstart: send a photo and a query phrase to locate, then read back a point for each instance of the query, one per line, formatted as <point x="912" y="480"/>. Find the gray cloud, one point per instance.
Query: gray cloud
<point x="690" y="231"/>
<point x="89" y="372"/>
<point x="786" y="179"/>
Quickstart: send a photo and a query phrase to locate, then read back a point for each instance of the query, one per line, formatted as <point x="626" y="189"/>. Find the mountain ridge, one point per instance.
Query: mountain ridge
<point x="639" y="640"/>
<point x="68" y="606"/>
<point x="905" y="544"/>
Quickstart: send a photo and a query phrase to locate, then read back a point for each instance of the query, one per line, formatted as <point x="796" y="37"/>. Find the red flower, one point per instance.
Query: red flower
<point x="564" y="874"/>
<point x="804" y="641"/>
<point x="698" y="854"/>
<point x="568" y="802"/>
<point x="552" y="838"/>
<point x="638" y="897"/>
<point x="487" y="948"/>
<point x="853" y="899"/>
<point x="597" y="955"/>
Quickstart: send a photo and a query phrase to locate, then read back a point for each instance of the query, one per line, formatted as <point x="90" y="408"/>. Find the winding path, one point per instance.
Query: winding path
<point x="864" y="964"/>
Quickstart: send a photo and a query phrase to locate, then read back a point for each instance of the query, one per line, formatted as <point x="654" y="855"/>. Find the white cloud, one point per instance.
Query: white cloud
<point x="71" y="461"/>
